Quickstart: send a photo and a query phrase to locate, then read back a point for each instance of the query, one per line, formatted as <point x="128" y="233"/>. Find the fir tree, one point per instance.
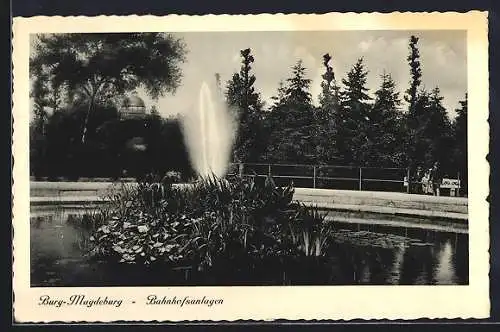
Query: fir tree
<point x="280" y="97"/>
<point x="329" y="96"/>
<point x="297" y="90"/>
<point x="385" y="132"/>
<point x="460" y="142"/>
<point x="354" y="116"/>
<point x="431" y="131"/>
<point x="440" y="130"/>
<point x="291" y="121"/>
<point x="415" y="72"/>
<point x="413" y="98"/>
<point x="327" y="114"/>
<point x="242" y="97"/>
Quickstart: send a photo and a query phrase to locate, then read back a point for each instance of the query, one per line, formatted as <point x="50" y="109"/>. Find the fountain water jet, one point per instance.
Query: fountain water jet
<point x="209" y="132"/>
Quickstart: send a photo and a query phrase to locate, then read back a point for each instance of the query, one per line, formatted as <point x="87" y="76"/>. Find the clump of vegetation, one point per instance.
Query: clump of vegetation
<point x="207" y="224"/>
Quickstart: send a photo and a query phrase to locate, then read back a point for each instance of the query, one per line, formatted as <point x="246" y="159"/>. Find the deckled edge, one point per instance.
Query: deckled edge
<point x="279" y="14"/>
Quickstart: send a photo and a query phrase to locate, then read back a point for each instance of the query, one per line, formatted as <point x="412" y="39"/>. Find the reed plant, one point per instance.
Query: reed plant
<point x="210" y="221"/>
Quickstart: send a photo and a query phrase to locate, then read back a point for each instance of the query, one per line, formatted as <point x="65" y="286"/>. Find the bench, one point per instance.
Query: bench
<point x="452" y="184"/>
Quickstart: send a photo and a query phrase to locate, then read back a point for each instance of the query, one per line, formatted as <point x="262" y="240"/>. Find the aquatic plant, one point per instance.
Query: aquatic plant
<point x="211" y="221"/>
<point x="310" y="232"/>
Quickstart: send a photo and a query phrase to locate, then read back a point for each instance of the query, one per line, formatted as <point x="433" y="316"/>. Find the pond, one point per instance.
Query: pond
<point x="360" y="255"/>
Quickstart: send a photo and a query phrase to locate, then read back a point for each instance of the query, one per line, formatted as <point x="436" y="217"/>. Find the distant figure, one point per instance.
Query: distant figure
<point x="436" y="178"/>
<point x="417" y="185"/>
<point x="426" y="182"/>
<point x="240" y="169"/>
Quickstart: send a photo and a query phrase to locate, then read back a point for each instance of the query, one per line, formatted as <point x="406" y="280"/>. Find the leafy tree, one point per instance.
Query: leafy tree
<point x="242" y="97"/>
<point x="96" y="66"/>
<point x="108" y="152"/>
<point x="354" y="116"/>
<point x="154" y="112"/>
<point x="65" y="155"/>
<point x="40" y="94"/>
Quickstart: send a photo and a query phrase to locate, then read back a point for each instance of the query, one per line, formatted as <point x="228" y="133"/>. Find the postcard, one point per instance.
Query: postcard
<point x="250" y="167"/>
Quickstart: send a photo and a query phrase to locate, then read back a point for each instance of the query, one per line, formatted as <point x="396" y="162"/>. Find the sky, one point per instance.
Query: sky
<point x="443" y="61"/>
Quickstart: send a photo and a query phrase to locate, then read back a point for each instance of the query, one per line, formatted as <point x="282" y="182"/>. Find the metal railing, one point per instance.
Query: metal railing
<point x="331" y="176"/>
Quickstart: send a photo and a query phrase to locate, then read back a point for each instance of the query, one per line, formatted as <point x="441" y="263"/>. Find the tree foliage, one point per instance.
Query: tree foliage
<point x="97" y="66"/>
<point x="354" y="116"/>
<point x="431" y="132"/>
<point x="460" y="140"/>
<point x="76" y="73"/>
<point x="386" y="132"/>
<point x="109" y="149"/>
<point x="291" y="124"/>
<point x="415" y="71"/>
<point x="246" y="102"/>
<point x="327" y="114"/>
<point x="297" y="89"/>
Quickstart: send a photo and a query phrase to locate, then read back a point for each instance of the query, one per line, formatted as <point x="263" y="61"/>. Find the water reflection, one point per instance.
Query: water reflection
<point x="373" y="257"/>
<point x="399" y="254"/>
<point x="444" y="271"/>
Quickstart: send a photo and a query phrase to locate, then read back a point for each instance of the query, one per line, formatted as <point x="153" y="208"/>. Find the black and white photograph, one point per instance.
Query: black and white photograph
<point x="249" y="158"/>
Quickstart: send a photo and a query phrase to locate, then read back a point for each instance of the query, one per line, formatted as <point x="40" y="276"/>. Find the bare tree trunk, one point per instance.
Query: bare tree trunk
<point x="85" y="124"/>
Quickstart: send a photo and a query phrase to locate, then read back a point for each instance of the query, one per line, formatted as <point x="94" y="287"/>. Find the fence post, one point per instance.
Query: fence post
<point x="408" y="180"/>
<point x="360" y="181"/>
<point x="269" y="170"/>
<point x="314" y="176"/>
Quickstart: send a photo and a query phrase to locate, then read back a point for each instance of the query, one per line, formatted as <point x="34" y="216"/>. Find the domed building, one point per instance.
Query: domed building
<point x="132" y="107"/>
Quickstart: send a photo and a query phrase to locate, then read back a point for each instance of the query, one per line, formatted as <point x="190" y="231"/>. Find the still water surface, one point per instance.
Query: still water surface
<point x="360" y="255"/>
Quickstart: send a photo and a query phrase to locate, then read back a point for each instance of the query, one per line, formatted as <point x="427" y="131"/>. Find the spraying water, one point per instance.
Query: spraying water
<point x="209" y="131"/>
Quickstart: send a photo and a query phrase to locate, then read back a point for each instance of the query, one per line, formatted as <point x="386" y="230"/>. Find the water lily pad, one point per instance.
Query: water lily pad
<point x="142" y="228"/>
<point x="118" y="249"/>
<point x="420" y="244"/>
